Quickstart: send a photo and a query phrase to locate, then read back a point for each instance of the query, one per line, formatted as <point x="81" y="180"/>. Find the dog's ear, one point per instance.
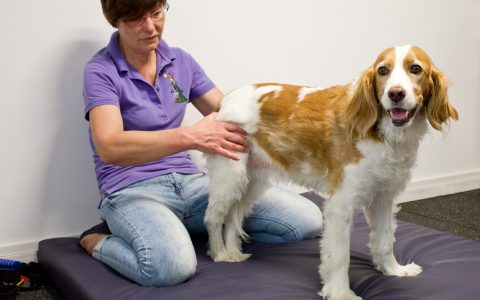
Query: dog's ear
<point x="438" y="107"/>
<point x="362" y="111"/>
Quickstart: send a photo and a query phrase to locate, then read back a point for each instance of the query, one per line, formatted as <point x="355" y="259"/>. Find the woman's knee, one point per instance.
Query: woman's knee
<point x="168" y="271"/>
<point x="308" y="228"/>
<point x="311" y="223"/>
<point x="283" y="216"/>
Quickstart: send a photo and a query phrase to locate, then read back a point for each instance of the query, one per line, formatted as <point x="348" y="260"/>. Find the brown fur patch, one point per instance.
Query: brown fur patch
<point x="311" y="131"/>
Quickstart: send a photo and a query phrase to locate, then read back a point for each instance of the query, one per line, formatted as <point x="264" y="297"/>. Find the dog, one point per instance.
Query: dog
<point x="356" y="142"/>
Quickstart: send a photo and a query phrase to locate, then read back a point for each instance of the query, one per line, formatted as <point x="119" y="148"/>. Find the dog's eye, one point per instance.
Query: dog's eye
<point x="383" y="70"/>
<point x="415" y="69"/>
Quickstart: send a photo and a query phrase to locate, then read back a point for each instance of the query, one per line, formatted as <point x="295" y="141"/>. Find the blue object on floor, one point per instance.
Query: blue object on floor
<point x="6" y="264"/>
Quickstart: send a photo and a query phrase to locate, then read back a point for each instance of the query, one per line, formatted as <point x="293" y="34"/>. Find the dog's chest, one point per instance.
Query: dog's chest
<point x="384" y="165"/>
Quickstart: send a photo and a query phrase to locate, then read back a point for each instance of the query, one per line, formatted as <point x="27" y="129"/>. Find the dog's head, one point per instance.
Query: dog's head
<point x="402" y="83"/>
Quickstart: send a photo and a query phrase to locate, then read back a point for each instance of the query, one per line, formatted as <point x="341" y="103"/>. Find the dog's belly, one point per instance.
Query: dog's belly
<point x="301" y="173"/>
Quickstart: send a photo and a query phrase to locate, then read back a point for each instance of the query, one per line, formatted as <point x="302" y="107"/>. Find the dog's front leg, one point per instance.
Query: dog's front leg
<point x="380" y="217"/>
<point x="335" y="248"/>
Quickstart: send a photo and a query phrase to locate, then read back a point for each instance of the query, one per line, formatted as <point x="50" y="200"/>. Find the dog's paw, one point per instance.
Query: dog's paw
<point x="239" y="257"/>
<point x="338" y="294"/>
<point x="347" y="295"/>
<point x="407" y="270"/>
<point x="230" y="257"/>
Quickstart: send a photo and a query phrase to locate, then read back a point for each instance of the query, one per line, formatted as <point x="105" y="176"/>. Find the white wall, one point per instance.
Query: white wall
<point x="47" y="180"/>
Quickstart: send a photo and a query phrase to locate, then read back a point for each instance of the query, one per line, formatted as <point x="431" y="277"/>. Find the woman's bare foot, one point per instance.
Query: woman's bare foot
<point x="89" y="241"/>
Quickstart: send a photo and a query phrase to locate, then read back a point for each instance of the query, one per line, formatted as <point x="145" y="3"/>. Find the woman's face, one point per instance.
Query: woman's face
<point x="144" y="34"/>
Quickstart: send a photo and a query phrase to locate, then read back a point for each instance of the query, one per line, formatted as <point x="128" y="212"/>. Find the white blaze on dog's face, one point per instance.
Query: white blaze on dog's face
<point x="401" y="76"/>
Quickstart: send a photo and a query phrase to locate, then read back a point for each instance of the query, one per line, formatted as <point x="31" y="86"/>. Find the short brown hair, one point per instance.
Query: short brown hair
<point x="116" y="10"/>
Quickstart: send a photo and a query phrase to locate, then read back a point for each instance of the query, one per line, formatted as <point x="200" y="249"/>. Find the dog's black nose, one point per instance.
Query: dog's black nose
<point x="396" y="94"/>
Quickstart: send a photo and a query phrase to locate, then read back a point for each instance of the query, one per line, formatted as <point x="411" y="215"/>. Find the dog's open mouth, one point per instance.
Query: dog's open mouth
<point x="400" y="116"/>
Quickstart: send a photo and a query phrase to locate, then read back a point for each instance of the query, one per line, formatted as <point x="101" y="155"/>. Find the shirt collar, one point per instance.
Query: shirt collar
<point x="164" y="52"/>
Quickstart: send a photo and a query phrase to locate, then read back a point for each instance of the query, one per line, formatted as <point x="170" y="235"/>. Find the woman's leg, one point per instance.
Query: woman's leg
<point x="278" y="216"/>
<point x="149" y="244"/>
<point x="283" y="216"/>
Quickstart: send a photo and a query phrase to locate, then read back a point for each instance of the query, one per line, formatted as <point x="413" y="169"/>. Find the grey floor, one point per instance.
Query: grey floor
<point x="458" y="214"/>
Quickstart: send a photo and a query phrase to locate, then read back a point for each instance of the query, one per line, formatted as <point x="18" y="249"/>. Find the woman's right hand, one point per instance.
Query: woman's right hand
<point x="217" y="137"/>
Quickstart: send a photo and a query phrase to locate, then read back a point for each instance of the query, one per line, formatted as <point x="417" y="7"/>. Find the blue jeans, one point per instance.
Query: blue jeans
<point x="151" y="220"/>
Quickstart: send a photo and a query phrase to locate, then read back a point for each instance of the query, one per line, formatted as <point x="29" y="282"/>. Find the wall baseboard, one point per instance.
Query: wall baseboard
<point x="416" y="190"/>
<point x="25" y="252"/>
<point x="440" y="186"/>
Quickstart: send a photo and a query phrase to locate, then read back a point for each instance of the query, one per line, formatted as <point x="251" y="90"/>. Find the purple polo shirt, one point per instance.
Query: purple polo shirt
<point x="109" y="79"/>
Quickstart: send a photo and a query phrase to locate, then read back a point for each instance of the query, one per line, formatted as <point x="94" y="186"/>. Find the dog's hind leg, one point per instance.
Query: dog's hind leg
<point x="234" y="233"/>
<point x="380" y="216"/>
<point x="228" y="184"/>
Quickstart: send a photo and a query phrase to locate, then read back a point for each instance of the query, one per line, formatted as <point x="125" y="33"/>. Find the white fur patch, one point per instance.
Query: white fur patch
<point x="399" y="78"/>
<point x="241" y="106"/>
<point x="304" y="91"/>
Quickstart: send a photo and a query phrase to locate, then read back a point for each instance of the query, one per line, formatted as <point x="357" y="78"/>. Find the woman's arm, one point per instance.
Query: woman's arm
<point x="128" y="148"/>
<point x="209" y="102"/>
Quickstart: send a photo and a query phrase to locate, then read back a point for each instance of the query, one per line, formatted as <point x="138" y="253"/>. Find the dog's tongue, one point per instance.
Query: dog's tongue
<point x="398" y="114"/>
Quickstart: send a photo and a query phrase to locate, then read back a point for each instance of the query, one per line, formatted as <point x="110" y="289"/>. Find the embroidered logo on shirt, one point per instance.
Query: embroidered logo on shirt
<point x="175" y="89"/>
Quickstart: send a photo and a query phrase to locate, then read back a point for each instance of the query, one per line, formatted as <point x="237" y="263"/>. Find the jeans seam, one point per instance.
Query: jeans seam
<point x="278" y="221"/>
<point x="179" y="191"/>
<point x="138" y="232"/>
<point x="290" y="227"/>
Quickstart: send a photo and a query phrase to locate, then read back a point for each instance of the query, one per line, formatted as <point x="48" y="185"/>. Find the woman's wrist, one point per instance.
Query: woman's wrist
<point x="186" y="138"/>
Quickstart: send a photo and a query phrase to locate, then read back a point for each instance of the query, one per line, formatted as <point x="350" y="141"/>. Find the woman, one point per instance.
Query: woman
<point x="136" y="90"/>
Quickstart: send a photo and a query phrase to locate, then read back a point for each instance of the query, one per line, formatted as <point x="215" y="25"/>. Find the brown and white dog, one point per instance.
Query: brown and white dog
<point x="358" y="142"/>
